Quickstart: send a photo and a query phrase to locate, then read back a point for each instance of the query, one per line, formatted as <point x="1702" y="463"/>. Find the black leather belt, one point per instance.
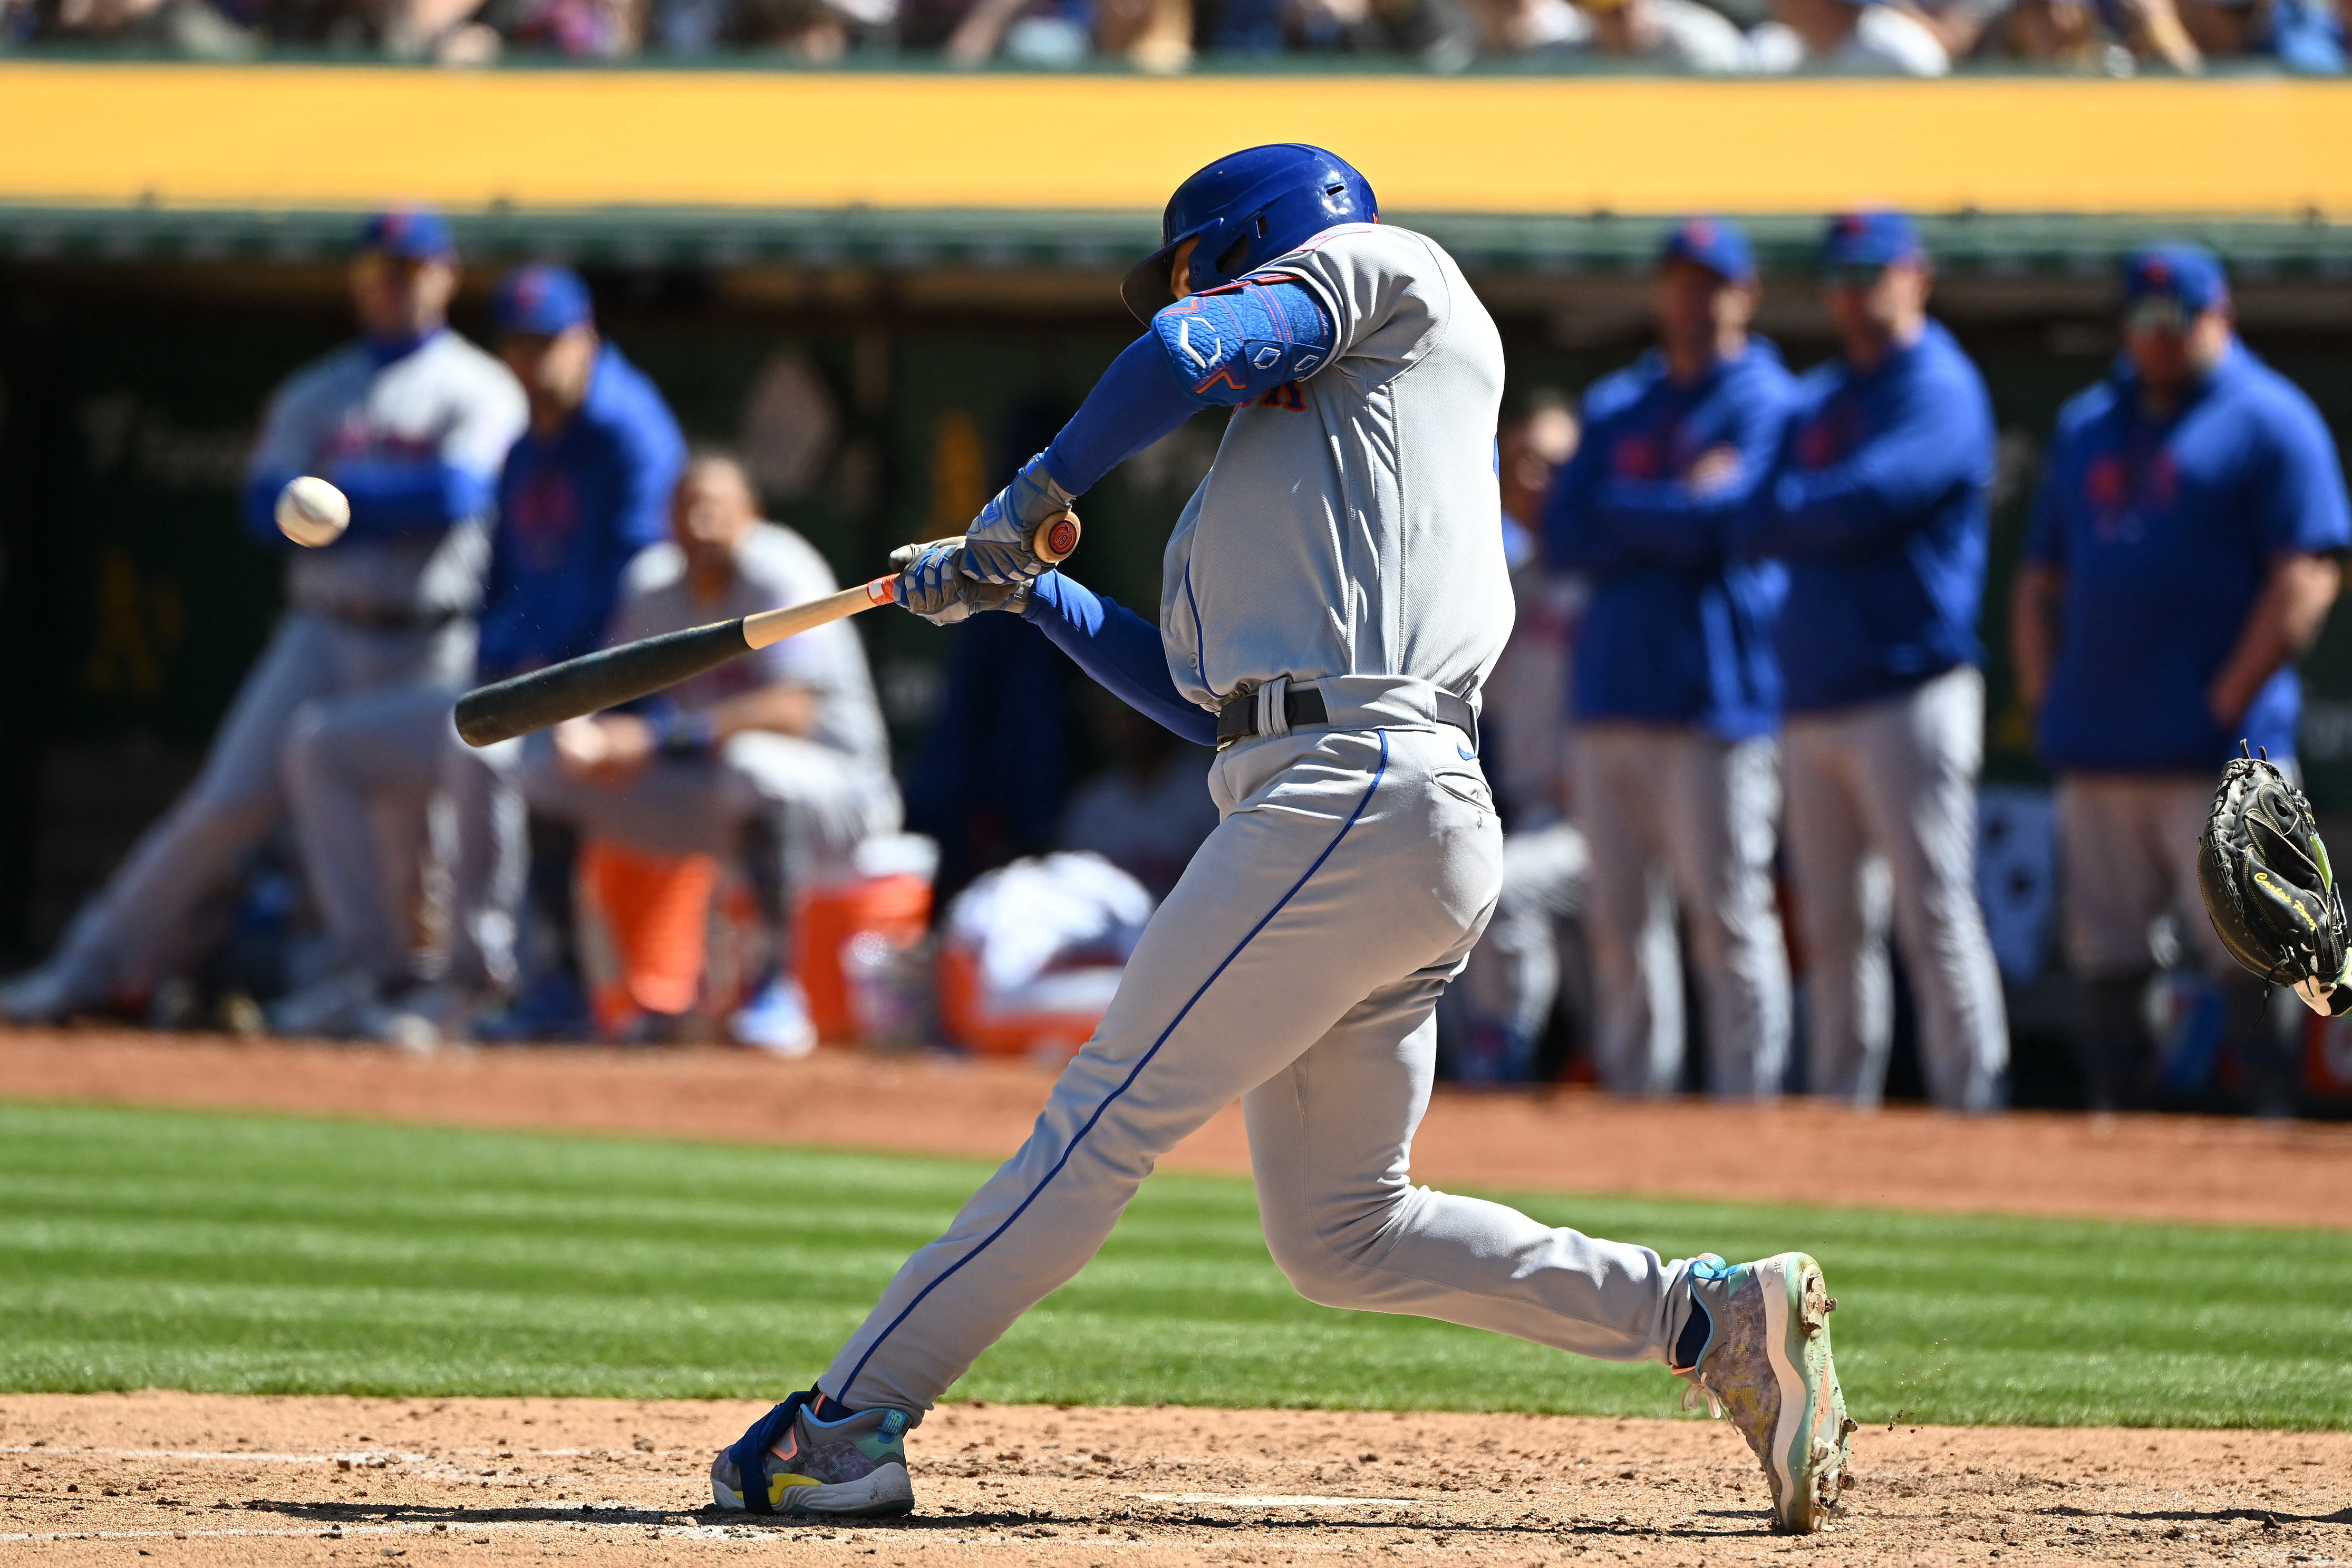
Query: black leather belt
<point x="1237" y="719"/>
<point x="1302" y="707"/>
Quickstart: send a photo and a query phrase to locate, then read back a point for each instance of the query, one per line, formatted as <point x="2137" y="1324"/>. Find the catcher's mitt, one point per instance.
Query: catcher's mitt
<point x="2268" y="887"/>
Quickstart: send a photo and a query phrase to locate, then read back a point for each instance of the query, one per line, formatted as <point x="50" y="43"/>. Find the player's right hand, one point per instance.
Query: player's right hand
<point x="933" y="584"/>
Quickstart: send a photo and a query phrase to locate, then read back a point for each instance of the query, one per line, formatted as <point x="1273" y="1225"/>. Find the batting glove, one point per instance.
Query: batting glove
<point x="997" y="546"/>
<point x="934" y="584"/>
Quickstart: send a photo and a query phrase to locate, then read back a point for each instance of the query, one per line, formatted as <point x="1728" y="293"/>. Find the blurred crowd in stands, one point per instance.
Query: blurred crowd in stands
<point x="1723" y="37"/>
<point x="1734" y="740"/>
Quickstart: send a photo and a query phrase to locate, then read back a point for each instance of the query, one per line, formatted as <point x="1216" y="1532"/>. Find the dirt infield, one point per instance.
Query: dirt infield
<point x="2173" y="1168"/>
<point x="212" y="1479"/>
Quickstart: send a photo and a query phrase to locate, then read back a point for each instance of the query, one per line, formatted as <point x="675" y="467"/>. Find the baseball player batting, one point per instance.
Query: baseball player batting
<point x="1332" y="597"/>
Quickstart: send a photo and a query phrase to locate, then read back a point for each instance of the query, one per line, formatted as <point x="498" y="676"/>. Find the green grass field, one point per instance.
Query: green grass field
<point x="283" y="1255"/>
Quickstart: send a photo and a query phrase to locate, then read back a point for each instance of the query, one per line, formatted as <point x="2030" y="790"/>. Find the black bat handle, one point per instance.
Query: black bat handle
<point x="594" y="682"/>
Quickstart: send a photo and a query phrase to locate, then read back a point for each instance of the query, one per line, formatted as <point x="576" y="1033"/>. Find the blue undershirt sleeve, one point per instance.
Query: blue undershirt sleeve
<point x="1137" y="401"/>
<point x="1120" y="649"/>
<point x="260" y="505"/>
<point x="395" y="499"/>
<point x="1216" y="350"/>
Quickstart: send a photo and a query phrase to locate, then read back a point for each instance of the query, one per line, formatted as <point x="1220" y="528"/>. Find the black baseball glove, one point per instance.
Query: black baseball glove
<point x="2269" y="888"/>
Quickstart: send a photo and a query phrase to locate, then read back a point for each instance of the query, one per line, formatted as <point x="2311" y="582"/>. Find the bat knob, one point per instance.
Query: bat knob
<point x="1056" y="536"/>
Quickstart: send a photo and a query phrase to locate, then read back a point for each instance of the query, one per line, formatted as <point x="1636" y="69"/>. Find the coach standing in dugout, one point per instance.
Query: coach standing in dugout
<point x="1878" y="508"/>
<point x="585" y="489"/>
<point x="2180" y="561"/>
<point x="1676" y="691"/>
<point x="410" y="423"/>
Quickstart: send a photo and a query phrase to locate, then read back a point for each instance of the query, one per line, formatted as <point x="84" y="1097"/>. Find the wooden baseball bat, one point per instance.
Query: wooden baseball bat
<point x="612" y="676"/>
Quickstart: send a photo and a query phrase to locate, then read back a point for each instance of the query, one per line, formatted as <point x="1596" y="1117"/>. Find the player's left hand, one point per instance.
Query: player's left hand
<point x="997" y="547"/>
<point x="935" y="583"/>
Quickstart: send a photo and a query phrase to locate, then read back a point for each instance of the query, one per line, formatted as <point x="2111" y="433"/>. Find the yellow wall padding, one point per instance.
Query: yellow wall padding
<point x="301" y="137"/>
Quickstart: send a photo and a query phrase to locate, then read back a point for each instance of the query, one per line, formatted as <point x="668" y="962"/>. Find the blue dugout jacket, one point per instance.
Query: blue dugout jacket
<point x="1878" y="507"/>
<point x="2165" y="530"/>
<point x="573" y="511"/>
<point x="1680" y="628"/>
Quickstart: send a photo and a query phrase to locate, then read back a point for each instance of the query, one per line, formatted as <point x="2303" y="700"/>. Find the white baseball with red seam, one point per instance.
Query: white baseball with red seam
<point x="311" y="512"/>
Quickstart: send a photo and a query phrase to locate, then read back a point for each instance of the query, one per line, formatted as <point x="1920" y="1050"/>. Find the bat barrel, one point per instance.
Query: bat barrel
<point x="592" y="682"/>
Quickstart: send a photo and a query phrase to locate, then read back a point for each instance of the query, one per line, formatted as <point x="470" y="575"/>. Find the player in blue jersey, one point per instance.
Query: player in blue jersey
<point x="1878" y="507"/>
<point x="410" y="423"/>
<point x="2182" y="557"/>
<point x="1332" y="598"/>
<point x="585" y="488"/>
<point x="1677" y="691"/>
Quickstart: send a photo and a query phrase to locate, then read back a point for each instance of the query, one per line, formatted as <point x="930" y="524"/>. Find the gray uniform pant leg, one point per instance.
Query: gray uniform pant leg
<point x="1637" y="981"/>
<point x="1881" y="819"/>
<point x="1296" y="962"/>
<point x="2127" y="852"/>
<point x="486" y="845"/>
<point x="1678" y="817"/>
<point x="1512" y="977"/>
<point x="352" y="765"/>
<point x="826" y="803"/>
<point x="1722" y="803"/>
<point x="135" y="927"/>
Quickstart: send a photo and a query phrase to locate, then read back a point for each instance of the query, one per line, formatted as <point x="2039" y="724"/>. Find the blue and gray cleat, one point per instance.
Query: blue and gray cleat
<point x="851" y="1467"/>
<point x="1767" y="1364"/>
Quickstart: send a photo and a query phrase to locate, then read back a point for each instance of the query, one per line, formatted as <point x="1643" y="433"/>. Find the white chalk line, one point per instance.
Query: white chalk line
<point x="1277" y="1499"/>
<point x="355" y="1456"/>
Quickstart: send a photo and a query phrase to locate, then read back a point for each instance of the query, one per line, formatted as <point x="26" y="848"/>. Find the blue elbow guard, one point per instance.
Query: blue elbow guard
<point x="1233" y="344"/>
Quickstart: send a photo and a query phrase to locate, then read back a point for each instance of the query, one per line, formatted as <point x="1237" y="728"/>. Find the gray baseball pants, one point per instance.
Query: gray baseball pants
<point x="135" y="930"/>
<point x="2128" y="853"/>
<point x="1295" y="964"/>
<point x="402" y="746"/>
<point x="1882" y="823"/>
<point x="825" y="802"/>
<point x="1512" y="977"/>
<point x="1674" y="816"/>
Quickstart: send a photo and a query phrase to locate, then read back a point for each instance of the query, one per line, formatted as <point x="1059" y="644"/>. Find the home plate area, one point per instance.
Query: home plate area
<point x="208" y="1479"/>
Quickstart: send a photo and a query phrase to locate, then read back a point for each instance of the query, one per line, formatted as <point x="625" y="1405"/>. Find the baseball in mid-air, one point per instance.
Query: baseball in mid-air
<point x="311" y="512"/>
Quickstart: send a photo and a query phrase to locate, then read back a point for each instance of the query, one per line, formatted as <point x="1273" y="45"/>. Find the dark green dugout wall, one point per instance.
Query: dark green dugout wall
<point x="132" y="602"/>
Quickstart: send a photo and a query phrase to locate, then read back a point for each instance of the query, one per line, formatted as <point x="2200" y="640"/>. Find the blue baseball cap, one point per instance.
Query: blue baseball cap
<point x="540" y="299"/>
<point x="1712" y="242"/>
<point x="1869" y="239"/>
<point x="414" y="234"/>
<point x="2189" y="275"/>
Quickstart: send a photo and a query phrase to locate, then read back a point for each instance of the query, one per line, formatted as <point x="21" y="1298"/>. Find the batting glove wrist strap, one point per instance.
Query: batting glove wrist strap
<point x="2269" y="888"/>
<point x="934" y="582"/>
<point x="997" y="546"/>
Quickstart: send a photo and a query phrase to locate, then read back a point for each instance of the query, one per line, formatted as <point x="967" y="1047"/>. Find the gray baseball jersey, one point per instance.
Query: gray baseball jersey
<point x="446" y="400"/>
<point x="1351" y="529"/>
<point x="1352" y="523"/>
<point x="775" y="568"/>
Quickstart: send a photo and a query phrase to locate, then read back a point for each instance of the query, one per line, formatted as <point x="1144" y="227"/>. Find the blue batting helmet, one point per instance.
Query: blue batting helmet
<point x="1246" y="209"/>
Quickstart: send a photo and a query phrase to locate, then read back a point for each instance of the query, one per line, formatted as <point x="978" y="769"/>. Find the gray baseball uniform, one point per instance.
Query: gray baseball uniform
<point x="831" y="789"/>
<point x="1347" y="540"/>
<point x="366" y="615"/>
